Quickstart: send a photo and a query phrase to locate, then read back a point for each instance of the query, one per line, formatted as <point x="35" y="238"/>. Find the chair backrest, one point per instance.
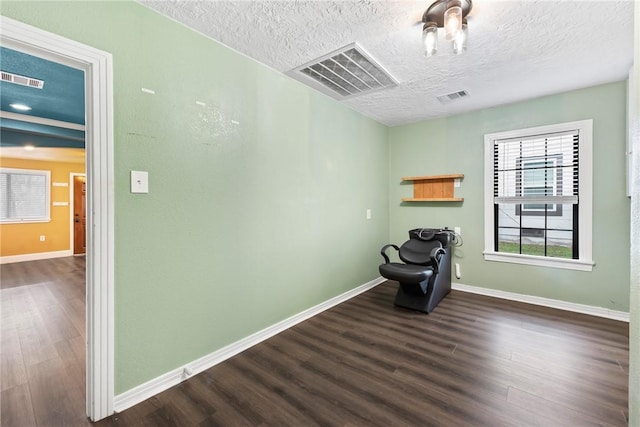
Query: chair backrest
<point x="417" y="251"/>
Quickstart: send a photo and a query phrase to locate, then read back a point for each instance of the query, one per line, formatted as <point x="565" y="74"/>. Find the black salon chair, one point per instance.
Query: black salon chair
<point x="425" y="274"/>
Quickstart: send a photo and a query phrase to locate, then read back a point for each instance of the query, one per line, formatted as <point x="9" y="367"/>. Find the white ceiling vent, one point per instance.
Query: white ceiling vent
<point x="445" y="99"/>
<point x="21" y="80"/>
<point x="347" y="72"/>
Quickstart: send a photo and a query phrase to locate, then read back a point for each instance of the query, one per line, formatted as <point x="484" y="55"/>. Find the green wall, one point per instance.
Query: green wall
<point x="245" y="224"/>
<point x="456" y="145"/>
<point x="249" y="223"/>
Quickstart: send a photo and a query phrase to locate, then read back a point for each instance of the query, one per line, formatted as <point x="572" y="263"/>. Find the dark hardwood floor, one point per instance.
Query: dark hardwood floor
<point x="42" y="348"/>
<point x="474" y="361"/>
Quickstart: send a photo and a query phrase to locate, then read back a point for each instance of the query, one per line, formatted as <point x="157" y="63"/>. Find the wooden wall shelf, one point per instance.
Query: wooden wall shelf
<point x="434" y="188"/>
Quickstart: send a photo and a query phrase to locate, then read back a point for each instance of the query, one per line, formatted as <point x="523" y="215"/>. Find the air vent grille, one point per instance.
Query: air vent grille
<point x="346" y="72"/>
<point x="445" y="99"/>
<point x="21" y="80"/>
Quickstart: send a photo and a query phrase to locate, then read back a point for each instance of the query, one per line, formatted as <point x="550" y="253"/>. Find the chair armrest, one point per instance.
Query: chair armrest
<point x="435" y="255"/>
<point x="384" y="250"/>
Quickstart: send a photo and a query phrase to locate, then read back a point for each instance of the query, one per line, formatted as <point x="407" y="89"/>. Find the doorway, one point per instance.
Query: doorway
<point x="98" y="67"/>
<point x="78" y="211"/>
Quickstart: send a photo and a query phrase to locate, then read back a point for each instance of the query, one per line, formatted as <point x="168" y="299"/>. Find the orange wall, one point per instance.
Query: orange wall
<point x="21" y="239"/>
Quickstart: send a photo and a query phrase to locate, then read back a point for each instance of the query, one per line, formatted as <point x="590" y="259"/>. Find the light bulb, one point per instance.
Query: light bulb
<point x="460" y="40"/>
<point x="430" y="38"/>
<point x="452" y="20"/>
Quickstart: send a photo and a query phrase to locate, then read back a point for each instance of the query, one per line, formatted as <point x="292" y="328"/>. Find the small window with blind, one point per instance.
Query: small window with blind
<point x="538" y="196"/>
<point x="24" y="195"/>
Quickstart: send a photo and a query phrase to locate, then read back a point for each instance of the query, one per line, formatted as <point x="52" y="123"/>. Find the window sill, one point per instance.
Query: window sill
<point x="567" y="264"/>
<point x="24" y="221"/>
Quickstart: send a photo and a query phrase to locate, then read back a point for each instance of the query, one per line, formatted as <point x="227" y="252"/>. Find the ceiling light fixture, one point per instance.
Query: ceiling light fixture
<point x="20" y="107"/>
<point x="450" y="15"/>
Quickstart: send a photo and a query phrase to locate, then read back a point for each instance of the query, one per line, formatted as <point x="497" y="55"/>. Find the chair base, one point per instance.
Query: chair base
<point x="409" y="296"/>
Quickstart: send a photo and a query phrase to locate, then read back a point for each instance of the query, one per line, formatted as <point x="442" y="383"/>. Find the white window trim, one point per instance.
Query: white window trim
<point x="585" y="194"/>
<point x="47" y="216"/>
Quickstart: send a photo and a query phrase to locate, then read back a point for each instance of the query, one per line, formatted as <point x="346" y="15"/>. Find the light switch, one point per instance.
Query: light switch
<point x="139" y="182"/>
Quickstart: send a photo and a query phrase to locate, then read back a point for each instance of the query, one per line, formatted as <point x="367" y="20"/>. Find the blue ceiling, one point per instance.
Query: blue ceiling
<point x="62" y="99"/>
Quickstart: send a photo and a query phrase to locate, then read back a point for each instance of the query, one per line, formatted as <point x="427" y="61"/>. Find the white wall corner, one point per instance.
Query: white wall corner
<point x="634" y="295"/>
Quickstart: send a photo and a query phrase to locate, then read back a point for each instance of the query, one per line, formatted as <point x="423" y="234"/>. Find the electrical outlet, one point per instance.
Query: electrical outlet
<point x="456" y="230"/>
<point x="368" y="213"/>
<point x="42" y="238"/>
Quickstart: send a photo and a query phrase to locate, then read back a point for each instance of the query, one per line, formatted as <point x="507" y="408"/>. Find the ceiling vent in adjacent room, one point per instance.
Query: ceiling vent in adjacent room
<point x="21" y="80"/>
<point x="445" y="99"/>
<point x="347" y="72"/>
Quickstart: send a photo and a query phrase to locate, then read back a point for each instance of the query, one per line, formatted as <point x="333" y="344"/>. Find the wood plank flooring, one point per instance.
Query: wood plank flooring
<point x="42" y="348"/>
<point x="474" y="361"/>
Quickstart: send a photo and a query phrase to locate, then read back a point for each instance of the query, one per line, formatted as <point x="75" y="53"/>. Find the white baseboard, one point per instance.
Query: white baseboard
<point x="546" y="302"/>
<point x="35" y="257"/>
<point x="159" y="384"/>
<point x="163" y="382"/>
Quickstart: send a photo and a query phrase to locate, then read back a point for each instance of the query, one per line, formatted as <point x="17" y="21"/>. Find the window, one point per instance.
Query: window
<point x="538" y="188"/>
<point x="24" y="195"/>
<point x="539" y="176"/>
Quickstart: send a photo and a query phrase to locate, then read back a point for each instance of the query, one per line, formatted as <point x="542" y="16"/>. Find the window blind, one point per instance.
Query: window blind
<point x="24" y="195"/>
<point x="540" y="169"/>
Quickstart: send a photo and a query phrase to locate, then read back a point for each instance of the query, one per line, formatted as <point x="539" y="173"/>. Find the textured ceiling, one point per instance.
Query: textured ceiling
<point x="518" y="49"/>
<point x="61" y="98"/>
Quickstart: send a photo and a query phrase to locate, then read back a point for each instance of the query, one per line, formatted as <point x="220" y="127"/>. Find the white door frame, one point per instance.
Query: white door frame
<point x="97" y="66"/>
